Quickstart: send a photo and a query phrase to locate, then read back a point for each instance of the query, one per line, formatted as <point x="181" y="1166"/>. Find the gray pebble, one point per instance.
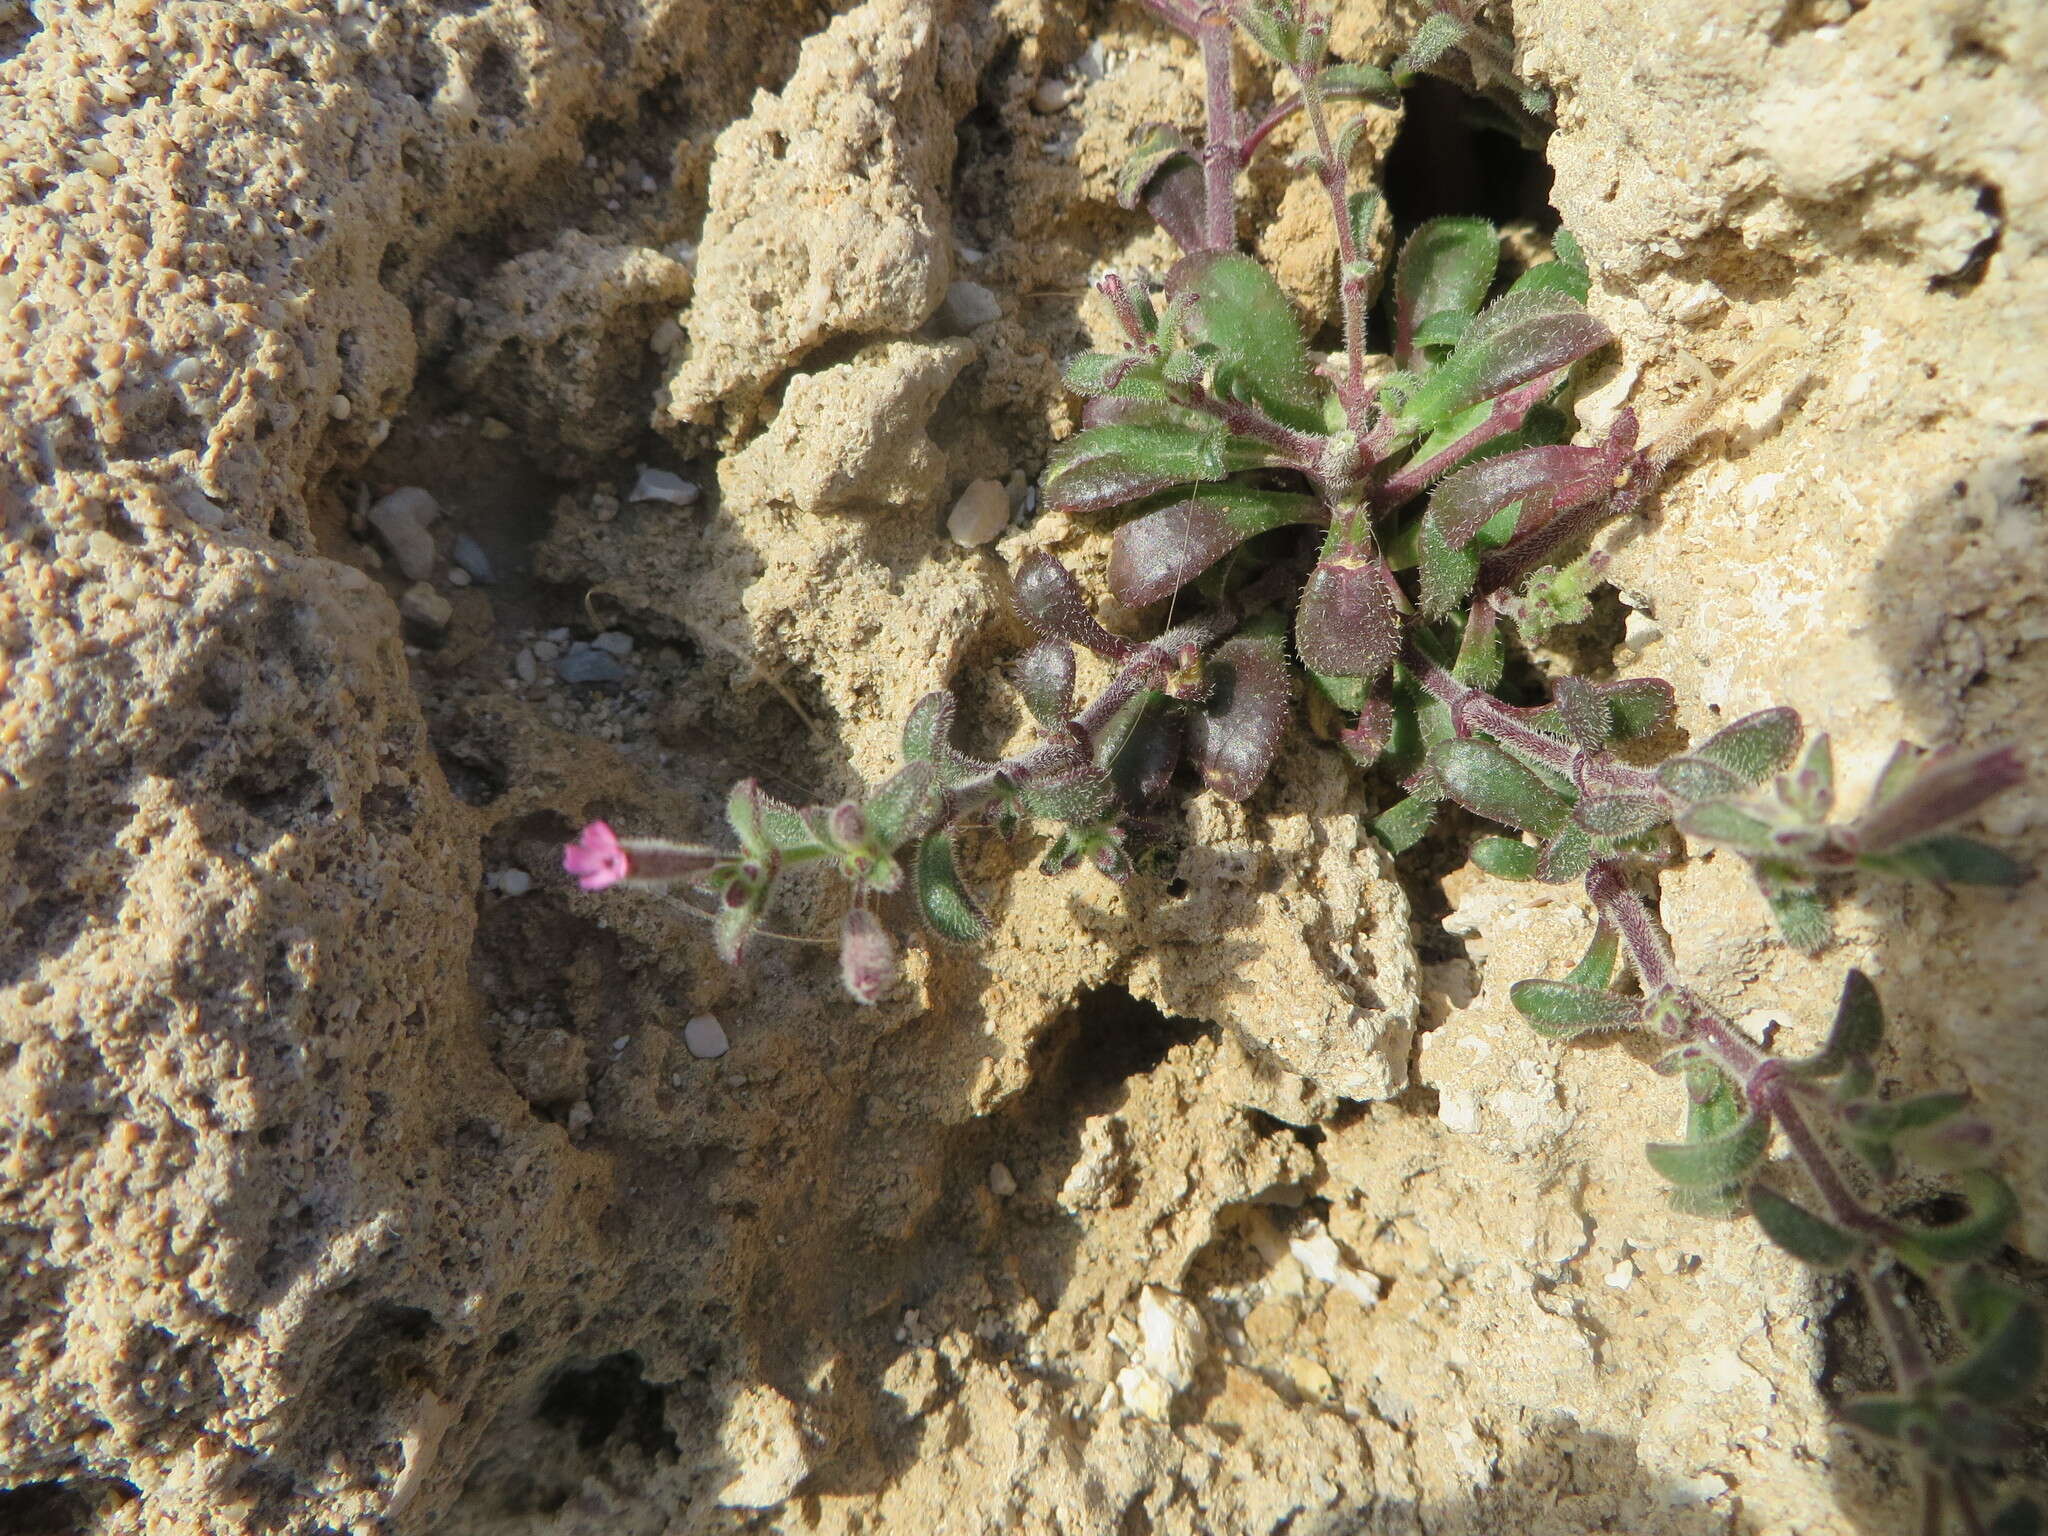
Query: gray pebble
<point x="546" y="650"/>
<point x="615" y="641"/>
<point x="514" y="882"/>
<point x="401" y="522"/>
<point x="422" y="605"/>
<point x="968" y="305"/>
<point x="469" y="554"/>
<point x="581" y="667"/>
<point x="526" y="665"/>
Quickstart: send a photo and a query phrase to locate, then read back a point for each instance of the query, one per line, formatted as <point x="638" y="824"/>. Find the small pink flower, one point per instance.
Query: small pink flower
<point x="596" y="859"/>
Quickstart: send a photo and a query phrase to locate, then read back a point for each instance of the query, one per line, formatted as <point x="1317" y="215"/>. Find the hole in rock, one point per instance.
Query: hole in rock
<point x="1109" y="1038"/>
<point x="1447" y="159"/>
<point x="606" y="1398"/>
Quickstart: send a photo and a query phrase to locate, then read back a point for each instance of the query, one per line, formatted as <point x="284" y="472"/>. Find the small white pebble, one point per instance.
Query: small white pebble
<point x="458" y="577"/>
<point x="546" y="650"/>
<point x="1052" y="95"/>
<point x="341" y="408"/>
<point x="513" y="882"/>
<point x="494" y="430"/>
<point x="526" y="665"/>
<point x="981" y="513"/>
<point x="580" y="1116"/>
<point x="1640" y="632"/>
<point x="705" y="1038"/>
<point x="1623" y="1275"/>
<point x="1001" y="1182"/>
<point x="664" y="485"/>
<point x="622" y="1042"/>
<point x="968" y="305"/>
<point x="614" y="641"/>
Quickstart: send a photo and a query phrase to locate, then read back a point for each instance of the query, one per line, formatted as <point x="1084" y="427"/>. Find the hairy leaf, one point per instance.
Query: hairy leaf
<point x="942" y="897"/>
<point x="1404" y="824"/>
<point x="1926" y="794"/>
<point x="1488" y="782"/>
<point x="1050" y="601"/>
<point x="1505" y="857"/>
<point x="1232" y="739"/>
<point x="1723" y="821"/>
<point x="1950" y="860"/>
<point x="1446" y="266"/>
<point x="2005" y="1326"/>
<point x="1618" y="815"/>
<point x="1106" y="466"/>
<point x="1639" y="705"/>
<point x="1562" y="1009"/>
<point x="1447" y="572"/>
<point x="1345" y="624"/>
<point x="1754" y="747"/>
<point x="1801" y="915"/>
<point x="1160" y="552"/>
<point x="1602" y="958"/>
<point x="1799" y="1232"/>
<point x="1545" y="480"/>
<point x="1045" y="678"/>
<point x="1976" y="1235"/>
<point x="1566" y="856"/>
<point x="1239" y="308"/>
<point x="1858" y="1030"/>
<point x="1516" y="339"/>
<point x="905" y="806"/>
<point x="1713" y="1162"/>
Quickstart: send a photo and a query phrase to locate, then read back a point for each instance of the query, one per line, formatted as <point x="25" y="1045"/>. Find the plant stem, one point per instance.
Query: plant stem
<point x="1353" y="272"/>
<point x="1475" y="709"/>
<point x="1509" y="412"/>
<point x="1220" y="152"/>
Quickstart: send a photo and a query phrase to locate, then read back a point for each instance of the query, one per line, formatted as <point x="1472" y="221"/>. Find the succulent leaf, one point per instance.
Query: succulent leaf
<point x="1490" y="783"/>
<point x="1799" y="1232"/>
<point x="948" y="907"/>
<point x="1050" y="601"/>
<point x="1106" y="466"/>
<point x="1505" y="858"/>
<point x="1563" y="1009"/>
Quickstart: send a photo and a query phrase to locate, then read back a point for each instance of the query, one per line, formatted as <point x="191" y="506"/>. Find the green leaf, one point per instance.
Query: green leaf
<point x="1722" y="821"/>
<point x="1447" y="574"/>
<point x="1565" y="857"/>
<point x="1404" y="825"/>
<point x="927" y="733"/>
<point x="1563" y="1009"/>
<point x="1802" y="917"/>
<point x="1515" y="339"/>
<point x="1272" y="27"/>
<point x="1439" y="33"/>
<point x="1488" y="782"/>
<point x="1811" y="791"/>
<point x="1240" y="309"/>
<point x="1100" y="373"/>
<point x="904" y="807"/>
<point x="1555" y="277"/>
<point x="1619" y="815"/>
<point x="1858" y="1030"/>
<point x="1756" y="746"/>
<point x="765" y="826"/>
<point x="942" y="897"/>
<point x="1106" y="466"/>
<point x="1713" y="1162"/>
<point x="1977" y="1235"/>
<point x="1639" y="705"/>
<point x="1950" y="860"/>
<point x="1891" y="1418"/>
<point x="1693" y="778"/>
<point x="1505" y="858"/>
<point x="1362" y="208"/>
<point x="1597" y="966"/>
<point x="2005" y="1325"/>
<point x="1359" y="80"/>
<point x="1446" y="266"/>
<point x="1799" y="1232"/>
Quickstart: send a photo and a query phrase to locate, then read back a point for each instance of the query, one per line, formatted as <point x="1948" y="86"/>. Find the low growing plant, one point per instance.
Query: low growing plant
<point x="1380" y="530"/>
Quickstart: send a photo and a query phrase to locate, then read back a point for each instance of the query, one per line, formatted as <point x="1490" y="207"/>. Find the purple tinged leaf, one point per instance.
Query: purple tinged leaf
<point x="1346" y="624"/>
<point x="1050" y="601"/>
<point x="1940" y="789"/>
<point x="1106" y="466"/>
<point x="1366" y="740"/>
<point x="1799" y="1232"/>
<point x="1233" y="740"/>
<point x="1446" y="266"/>
<point x="1179" y="203"/>
<point x="1546" y="480"/>
<point x="1639" y="705"/>
<point x="1950" y="860"/>
<point x="849" y="828"/>
<point x="1692" y="778"/>
<point x="867" y="957"/>
<point x="1045" y="678"/>
<point x="1159" y="553"/>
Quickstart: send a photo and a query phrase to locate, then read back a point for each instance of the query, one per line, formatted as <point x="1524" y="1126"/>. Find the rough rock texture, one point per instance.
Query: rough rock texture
<point x="356" y="1173"/>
